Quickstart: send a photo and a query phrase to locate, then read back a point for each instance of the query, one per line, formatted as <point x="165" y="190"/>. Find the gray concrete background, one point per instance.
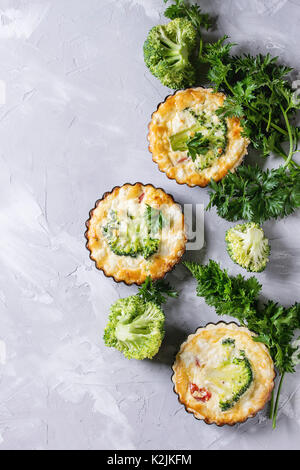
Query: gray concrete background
<point x="73" y="125"/>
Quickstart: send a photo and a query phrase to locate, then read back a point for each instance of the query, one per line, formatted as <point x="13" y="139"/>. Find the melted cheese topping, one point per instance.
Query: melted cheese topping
<point x="133" y="200"/>
<point x="171" y="118"/>
<point x="202" y="354"/>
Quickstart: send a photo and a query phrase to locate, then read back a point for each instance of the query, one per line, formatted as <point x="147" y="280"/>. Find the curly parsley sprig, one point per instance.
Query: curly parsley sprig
<point x="259" y="93"/>
<point x="256" y="195"/>
<point x="182" y="9"/>
<point x="274" y="325"/>
<point x="157" y="291"/>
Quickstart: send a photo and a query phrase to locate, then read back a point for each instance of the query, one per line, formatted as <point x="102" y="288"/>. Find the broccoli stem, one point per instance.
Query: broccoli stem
<point x="129" y="332"/>
<point x="138" y="327"/>
<point x="122" y="332"/>
<point x="167" y="41"/>
<point x="179" y="141"/>
<point x="132" y="336"/>
<point x="175" y="53"/>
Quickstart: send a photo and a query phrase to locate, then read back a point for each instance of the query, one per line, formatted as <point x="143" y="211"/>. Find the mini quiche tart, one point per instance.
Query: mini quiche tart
<point x="222" y="376"/>
<point x="190" y="142"/>
<point x="136" y="231"/>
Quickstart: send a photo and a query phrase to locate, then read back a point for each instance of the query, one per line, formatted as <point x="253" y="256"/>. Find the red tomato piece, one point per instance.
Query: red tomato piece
<point x="200" y="394"/>
<point x="141" y="197"/>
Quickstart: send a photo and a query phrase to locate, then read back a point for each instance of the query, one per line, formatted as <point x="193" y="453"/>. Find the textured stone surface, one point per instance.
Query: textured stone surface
<point x="78" y="101"/>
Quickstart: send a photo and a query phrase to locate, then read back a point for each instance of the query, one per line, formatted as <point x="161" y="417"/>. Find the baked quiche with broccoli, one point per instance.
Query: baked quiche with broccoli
<point x="222" y="375"/>
<point x="136" y="231"/>
<point x="191" y="143"/>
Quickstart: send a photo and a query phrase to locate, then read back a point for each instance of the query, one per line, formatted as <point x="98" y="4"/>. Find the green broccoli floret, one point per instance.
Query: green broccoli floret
<point x="169" y="52"/>
<point x="248" y="246"/>
<point x="135" y="328"/>
<point x="232" y="378"/>
<point x="228" y="342"/>
<point x="129" y="247"/>
<point x="134" y="238"/>
<point x="229" y="348"/>
<point x="239" y="377"/>
<point x="150" y="246"/>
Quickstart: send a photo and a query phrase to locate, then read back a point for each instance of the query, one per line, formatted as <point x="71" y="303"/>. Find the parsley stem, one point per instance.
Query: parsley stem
<point x="283" y="155"/>
<point x="291" y="138"/>
<point x="288" y="132"/>
<point x="271" y="406"/>
<point x="200" y="49"/>
<point x="295" y="164"/>
<point x="229" y="86"/>
<point x="277" y="400"/>
<point x="268" y="121"/>
<point x="270" y="124"/>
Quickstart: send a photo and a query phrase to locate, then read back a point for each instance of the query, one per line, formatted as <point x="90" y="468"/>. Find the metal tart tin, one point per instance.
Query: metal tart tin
<point x="203" y="419"/>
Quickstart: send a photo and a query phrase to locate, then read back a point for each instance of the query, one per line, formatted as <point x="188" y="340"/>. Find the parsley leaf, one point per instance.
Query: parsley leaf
<point x="182" y="9"/>
<point x="156" y="292"/>
<point x="227" y="295"/>
<point x="197" y="145"/>
<point x="258" y="91"/>
<point x="255" y="195"/>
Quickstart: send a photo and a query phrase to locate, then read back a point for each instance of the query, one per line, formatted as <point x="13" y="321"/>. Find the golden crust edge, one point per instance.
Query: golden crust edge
<point x="137" y="281"/>
<point x="220" y="422"/>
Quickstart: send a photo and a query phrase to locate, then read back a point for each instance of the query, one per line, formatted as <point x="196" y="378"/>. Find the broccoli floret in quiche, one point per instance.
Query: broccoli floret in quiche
<point x="150" y="246"/>
<point x="233" y="377"/>
<point x="170" y="51"/>
<point x="127" y="247"/>
<point x="239" y="376"/>
<point x="134" y="236"/>
<point x="228" y="342"/>
<point x="248" y="246"/>
<point x="229" y="347"/>
<point x="204" y="141"/>
<point x="135" y="328"/>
